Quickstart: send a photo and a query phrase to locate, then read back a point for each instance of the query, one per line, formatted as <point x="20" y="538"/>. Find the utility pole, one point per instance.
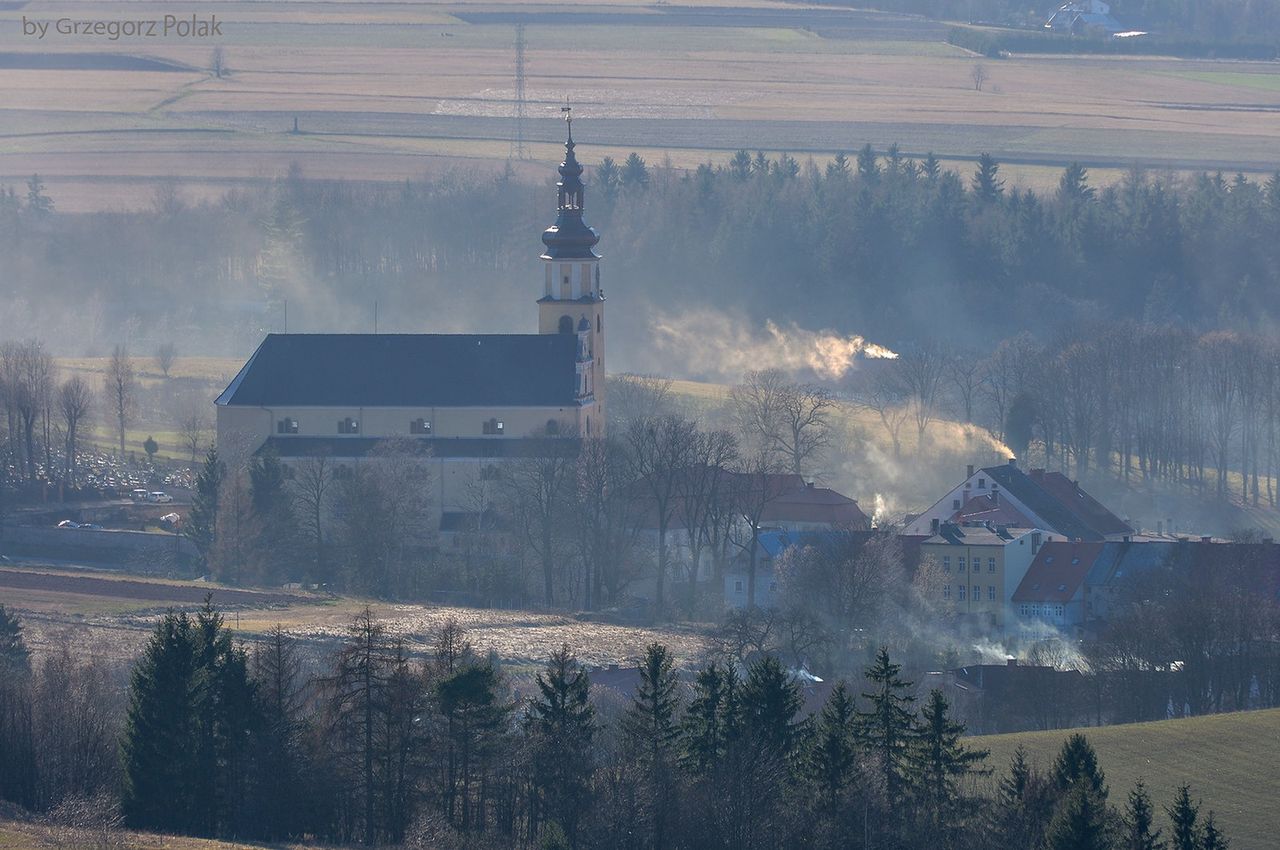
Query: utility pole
<point x="518" y="150"/>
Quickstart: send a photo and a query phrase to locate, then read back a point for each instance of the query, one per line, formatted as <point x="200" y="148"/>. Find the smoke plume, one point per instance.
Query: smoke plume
<point x="709" y="344"/>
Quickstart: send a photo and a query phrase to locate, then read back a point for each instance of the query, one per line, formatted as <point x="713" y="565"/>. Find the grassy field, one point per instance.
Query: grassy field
<point x="1229" y="760"/>
<point x="385" y="92"/>
<point x="16" y="835"/>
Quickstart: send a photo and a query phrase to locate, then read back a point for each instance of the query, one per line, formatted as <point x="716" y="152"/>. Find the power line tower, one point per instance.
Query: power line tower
<point x="518" y="150"/>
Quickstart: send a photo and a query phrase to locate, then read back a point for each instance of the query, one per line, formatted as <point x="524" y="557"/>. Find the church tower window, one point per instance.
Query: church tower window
<point x="566" y="325"/>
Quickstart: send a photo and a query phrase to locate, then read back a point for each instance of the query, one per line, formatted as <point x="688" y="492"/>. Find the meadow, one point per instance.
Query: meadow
<point x="1223" y="757"/>
<point x="390" y="91"/>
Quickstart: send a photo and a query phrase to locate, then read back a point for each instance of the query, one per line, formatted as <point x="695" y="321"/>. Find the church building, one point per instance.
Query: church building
<point x="473" y="400"/>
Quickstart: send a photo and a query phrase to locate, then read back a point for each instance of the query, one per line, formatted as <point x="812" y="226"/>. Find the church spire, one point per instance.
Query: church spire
<point x="569" y="238"/>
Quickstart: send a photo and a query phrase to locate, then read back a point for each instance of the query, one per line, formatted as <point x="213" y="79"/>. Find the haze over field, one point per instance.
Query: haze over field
<point x="391" y="92"/>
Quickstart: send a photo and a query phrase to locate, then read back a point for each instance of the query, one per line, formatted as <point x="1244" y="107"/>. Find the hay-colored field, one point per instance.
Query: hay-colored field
<point x="1229" y="760"/>
<point x="17" y="835"/>
<point x="385" y="92"/>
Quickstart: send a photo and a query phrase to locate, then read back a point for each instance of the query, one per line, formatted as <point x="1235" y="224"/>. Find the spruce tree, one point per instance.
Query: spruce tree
<point x="15" y="658"/>
<point x="1138" y="819"/>
<point x="938" y="761"/>
<point x="201" y="526"/>
<point x="832" y="761"/>
<point x="987" y="185"/>
<point x="561" y="724"/>
<point x="475" y="718"/>
<point x="1183" y="818"/>
<point x="17" y="741"/>
<point x="1024" y="804"/>
<point x="1080" y="822"/>
<point x="1211" y="838"/>
<point x="159" y="770"/>
<point x="703" y="729"/>
<point x="1077" y="764"/>
<point x="770" y="702"/>
<point x="887" y="729"/>
<point x="650" y="731"/>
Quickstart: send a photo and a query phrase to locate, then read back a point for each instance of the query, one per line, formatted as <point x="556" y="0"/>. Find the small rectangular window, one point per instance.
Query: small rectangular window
<point x="960" y="566"/>
<point x="991" y="565"/>
<point x="977" y="593"/>
<point x="287" y="426"/>
<point x="982" y="483"/>
<point x="991" y="593"/>
<point x="419" y="426"/>
<point x="348" y="426"/>
<point x="960" y="589"/>
<point x="492" y="426"/>
<point x="737" y="586"/>
<point x="946" y="563"/>
<point x="955" y="504"/>
<point x="946" y="591"/>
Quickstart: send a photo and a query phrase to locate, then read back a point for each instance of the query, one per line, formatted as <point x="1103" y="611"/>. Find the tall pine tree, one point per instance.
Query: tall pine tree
<point x="561" y="723"/>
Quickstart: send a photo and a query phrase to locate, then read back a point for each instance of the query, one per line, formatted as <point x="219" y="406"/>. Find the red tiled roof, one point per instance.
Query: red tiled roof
<point x="1057" y="572"/>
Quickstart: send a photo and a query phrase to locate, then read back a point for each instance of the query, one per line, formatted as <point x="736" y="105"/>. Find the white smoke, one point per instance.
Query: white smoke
<point x="710" y="344"/>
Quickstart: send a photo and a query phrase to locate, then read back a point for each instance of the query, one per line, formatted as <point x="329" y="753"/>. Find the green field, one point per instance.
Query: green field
<point x="1230" y="761"/>
<point x="1264" y="81"/>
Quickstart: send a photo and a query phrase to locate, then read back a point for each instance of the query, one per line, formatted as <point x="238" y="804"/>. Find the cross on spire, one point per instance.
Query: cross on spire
<point x="567" y="112"/>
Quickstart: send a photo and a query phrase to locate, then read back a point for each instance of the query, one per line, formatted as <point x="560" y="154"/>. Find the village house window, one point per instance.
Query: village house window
<point x="348" y="426"/>
<point x="982" y="483"/>
<point x="960" y="567"/>
<point x="492" y="426"/>
<point x="1022" y="609"/>
<point x="287" y="426"/>
<point x="419" y="426"/>
<point x="991" y="593"/>
<point x="946" y="591"/>
<point x="977" y="593"/>
<point x="960" y="590"/>
<point x="991" y="565"/>
<point x="946" y="563"/>
<point x="737" y="586"/>
<point x="1058" y="611"/>
<point x="955" y="504"/>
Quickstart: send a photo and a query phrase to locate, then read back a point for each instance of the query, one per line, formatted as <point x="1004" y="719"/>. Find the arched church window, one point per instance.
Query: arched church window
<point x="566" y="325"/>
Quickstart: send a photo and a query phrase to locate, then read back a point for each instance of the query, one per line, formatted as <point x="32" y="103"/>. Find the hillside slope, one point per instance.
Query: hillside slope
<point x="1230" y="761"/>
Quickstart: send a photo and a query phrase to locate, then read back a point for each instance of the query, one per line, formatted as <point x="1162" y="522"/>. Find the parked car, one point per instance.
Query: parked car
<point x="139" y="495"/>
<point x="92" y="526"/>
<point x="66" y="523"/>
<point x="159" y="497"/>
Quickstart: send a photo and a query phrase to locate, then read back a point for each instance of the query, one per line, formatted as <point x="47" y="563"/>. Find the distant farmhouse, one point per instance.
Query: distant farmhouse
<point x="472" y="400"/>
<point x="1083" y="18"/>
<point x="1005" y="495"/>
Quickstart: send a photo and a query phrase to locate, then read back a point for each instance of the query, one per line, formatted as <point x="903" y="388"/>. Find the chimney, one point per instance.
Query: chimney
<point x="810" y="485"/>
<point x="933" y="525"/>
<point x="995" y="496"/>
<point x="1013" y="662"/>
<point x="1206" y="539"/>
<point x="1013" y="461"/>
<point x="969" y="471"/>
<point x="1159" y="528"/>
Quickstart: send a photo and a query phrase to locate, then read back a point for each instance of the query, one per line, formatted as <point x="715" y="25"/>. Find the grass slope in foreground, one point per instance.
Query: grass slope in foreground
<point x="1230" y="760"/>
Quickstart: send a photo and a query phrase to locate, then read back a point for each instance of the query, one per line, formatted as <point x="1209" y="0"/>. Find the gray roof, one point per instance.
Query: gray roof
<point x="1056" y="515"/>
<point x="408" y="370"/>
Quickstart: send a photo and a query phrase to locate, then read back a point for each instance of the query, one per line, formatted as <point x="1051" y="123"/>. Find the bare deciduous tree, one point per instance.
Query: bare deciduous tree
<point x="74" y="399"/>
<point x="538" y="488"/>
<point x="660" y="449"/>
<point x="792" y="419"/>
<point x="979" y="76"/>
<point x="166" y="353"/>
<point x="312" y="489"/>
<point x="121" y="385"/>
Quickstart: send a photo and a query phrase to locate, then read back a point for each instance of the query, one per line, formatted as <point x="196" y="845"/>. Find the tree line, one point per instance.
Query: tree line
<point x="384" y="746"/>
<point x="872" y="235"/>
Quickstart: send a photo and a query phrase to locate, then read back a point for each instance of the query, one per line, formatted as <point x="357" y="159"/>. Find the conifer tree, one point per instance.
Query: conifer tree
<point x="1023" y="804"/>
<point x="202" y="522"/>
<point x="770" y="702"/>
<point x="475" y="719"/>
<point x="833" y="758"/>
<point x="650" y="730"/>
<point x="159" y="770"/>
<point x="887" y="729"/>
<point x="1212" y="839"/>
<point x="17" y="743"/>
<point x="1184" y="820"/>
<point x="561" y="724"/>
<point x="703" y="729"/>
<point x="939" y="760"/>
<point x="1080" y="822"/>
<point x="1138" y="818"/>
<point x="987" y="185"/>
<point x="1077" y="764"/>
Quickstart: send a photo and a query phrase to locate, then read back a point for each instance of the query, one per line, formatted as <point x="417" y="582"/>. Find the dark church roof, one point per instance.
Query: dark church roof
<point x="408" y="370"/>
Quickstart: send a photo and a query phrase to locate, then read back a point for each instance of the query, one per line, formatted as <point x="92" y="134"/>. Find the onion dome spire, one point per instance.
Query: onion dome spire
<point x="569" y="238"/>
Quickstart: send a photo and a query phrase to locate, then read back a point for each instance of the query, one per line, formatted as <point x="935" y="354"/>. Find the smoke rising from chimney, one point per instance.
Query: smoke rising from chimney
<point x="710" y="344"/>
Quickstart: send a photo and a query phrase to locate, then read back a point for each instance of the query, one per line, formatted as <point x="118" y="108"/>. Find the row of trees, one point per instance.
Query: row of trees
<point x="381" y="747"/>
<point x="1124" y="399"/>
<point x="583" y="518"/>
<point x="872" y="236"/>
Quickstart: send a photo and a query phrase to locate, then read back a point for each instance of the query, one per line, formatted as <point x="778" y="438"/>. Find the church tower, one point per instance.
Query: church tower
<point x="573" y="301"/>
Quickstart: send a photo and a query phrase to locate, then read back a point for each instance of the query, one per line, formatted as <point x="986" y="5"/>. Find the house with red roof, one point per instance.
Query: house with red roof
<point x="1051" y="596"/>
